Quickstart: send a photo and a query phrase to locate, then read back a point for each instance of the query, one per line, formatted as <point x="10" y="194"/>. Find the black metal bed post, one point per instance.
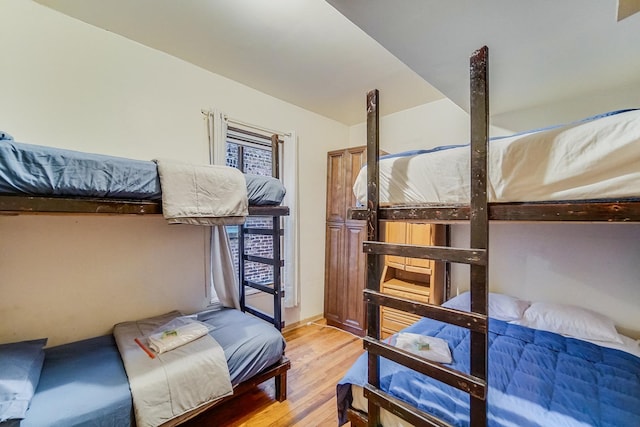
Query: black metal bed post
<point x="373" y="260"/>
<point x="277" y="273"/>
<point x="241" y="267"/>
<point x="479" y="111"/>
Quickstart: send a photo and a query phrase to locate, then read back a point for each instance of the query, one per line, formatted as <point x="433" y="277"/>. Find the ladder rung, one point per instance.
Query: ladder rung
<point x="262" y="231"/>
<point x="259" y="286"/>
<point x="404" y="410"/>
<point x="470" y="320"/>
<point x="438" y="253"/>
<point x="263" y="260"/>
<point x="262" y="315"/>
<point x="469" y="384"/>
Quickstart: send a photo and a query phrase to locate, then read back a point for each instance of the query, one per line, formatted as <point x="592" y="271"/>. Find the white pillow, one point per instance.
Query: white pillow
<point x="501" y="307"/>
<point x="571" y="321"/>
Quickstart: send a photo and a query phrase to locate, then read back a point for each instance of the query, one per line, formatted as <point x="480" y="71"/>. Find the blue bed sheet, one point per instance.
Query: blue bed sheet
<point x="250" y="344"/>
<point x="36" y="170"/>
<point x="536" y="378"/>
<point x="84" y="383"/>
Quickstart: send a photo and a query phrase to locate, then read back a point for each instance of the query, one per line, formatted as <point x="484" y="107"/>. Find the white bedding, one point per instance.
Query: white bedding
<point x="202" y="194"/>
<point x="175" y="382"/>
<point x="588" y="160"/>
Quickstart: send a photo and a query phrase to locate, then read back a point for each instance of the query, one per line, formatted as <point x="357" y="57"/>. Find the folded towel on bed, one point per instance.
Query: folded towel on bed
<point x="172" y="383"/>
<point x="431" y="348"/>
<point x="169" y="337"/>
<point x="202" y="194"/>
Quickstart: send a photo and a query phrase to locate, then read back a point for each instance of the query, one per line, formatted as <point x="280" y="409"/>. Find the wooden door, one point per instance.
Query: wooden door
<point x="395" y="232"/>
<point x="357" y="157"/>
<point x="419" y="234"/>
<point x="354" y="276"/>
<point x="336" y="189"/>
<point x="333" y="273"/>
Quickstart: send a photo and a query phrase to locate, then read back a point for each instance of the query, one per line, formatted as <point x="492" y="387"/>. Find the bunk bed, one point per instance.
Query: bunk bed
<point x="85" y="383"/>
<point x="472" y="390"/>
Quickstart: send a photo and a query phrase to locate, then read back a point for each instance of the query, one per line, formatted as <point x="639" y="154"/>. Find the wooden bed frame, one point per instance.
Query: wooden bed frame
<point x="19" y="205"/>
<point x="478" y="213"/>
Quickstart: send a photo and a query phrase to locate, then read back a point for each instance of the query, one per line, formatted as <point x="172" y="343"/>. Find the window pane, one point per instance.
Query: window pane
<point x="257" y="161"/>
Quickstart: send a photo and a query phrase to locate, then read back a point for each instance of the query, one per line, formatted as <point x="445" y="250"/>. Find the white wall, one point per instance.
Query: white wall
<point x="591" y="265"/>
<point x="70" y="85"/>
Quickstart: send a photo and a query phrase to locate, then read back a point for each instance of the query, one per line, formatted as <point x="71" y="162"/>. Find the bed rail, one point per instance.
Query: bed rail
<point x="474" y="383"/>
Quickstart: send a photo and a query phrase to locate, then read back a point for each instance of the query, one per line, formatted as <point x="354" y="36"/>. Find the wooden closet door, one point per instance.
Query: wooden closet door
<point x="334" y="274"/>
<point x="354" y="312"/>
<point x="395" y="232"/>
<point x="336" y="189"/>
<point x="419" y="234"/>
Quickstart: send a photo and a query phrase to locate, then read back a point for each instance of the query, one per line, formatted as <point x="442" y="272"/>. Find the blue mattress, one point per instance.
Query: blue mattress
<point x="84" y="383"/>
<point x="35" y="170"/>
<point x="536" y="378"/>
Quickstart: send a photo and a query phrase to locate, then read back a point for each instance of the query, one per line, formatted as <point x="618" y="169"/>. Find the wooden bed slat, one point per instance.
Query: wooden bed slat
<point x="472" y="321"/>
<point x="401" y="409"/>
<point x="437" y="253"/>
<point x="475" y="386"/>
<point x="20" y="204"/>
<point x="575" y="211"/>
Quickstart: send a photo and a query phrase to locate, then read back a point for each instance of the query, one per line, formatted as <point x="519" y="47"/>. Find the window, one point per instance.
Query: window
<point x="251" y="153"/>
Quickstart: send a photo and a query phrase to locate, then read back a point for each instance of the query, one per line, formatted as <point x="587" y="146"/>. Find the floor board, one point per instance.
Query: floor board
<point x="320" y="355"/>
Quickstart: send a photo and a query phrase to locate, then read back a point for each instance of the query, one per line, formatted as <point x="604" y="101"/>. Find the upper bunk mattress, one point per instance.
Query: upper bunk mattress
<point x="596" y="158"/>
<point x="35" y="170"/>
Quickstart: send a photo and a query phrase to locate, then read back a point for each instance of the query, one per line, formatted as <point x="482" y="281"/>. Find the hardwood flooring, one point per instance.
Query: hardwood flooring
<point x="320" y="355"/>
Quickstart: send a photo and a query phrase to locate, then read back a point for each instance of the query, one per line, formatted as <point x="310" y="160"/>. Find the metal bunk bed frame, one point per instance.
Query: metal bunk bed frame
<point x="12" y="204"/>
<point x="478" y="213"/>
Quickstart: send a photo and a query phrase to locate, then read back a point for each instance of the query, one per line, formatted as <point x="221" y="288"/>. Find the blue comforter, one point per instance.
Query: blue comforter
<point x="35" y="170"/>
<point x="536" y="378"/>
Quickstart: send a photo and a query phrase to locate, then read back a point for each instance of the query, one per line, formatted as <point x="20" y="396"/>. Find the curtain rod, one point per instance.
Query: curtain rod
<point x="248" y="125"/>
<point x="255" y="127"/>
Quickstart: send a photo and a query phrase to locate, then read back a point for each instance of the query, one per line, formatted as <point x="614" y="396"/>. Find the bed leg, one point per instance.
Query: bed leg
<point x="281" y="387"/>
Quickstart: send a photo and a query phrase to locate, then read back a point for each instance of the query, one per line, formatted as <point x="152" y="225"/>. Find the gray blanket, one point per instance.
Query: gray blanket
<point x="202" y="194"/>
<point x="175" y="382"/>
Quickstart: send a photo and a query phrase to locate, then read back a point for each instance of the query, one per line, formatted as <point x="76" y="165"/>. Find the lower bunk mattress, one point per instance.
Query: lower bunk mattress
<point x="85" y="384"/>
<point x="536" y="378"/>
<point x="27" y="169"/>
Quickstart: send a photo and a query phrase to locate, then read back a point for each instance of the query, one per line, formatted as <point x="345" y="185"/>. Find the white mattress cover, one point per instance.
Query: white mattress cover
<point x="592" y="160"/>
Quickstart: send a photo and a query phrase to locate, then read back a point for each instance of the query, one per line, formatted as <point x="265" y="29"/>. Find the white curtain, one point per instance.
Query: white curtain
<point x="223" y="275"/>
<point x="222" y="272"/>
<point x="289" y="175"/>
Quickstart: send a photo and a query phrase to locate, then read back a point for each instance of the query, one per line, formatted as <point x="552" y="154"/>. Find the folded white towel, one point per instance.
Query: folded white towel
<point x="431" y="348"/>
<point x="170" y="338"/>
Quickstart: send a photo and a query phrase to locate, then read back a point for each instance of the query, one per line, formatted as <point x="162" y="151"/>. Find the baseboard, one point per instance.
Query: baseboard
<point x="315" y="319"/>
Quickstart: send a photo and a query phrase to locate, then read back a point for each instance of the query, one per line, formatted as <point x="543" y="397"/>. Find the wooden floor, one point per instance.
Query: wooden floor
<point x="320" y="355"/>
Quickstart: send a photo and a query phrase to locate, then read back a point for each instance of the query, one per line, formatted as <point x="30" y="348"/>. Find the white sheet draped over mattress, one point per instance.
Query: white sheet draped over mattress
<point x="175" y="382"/>
<point x="202" y="194"/>
<point x="588" y="160"/>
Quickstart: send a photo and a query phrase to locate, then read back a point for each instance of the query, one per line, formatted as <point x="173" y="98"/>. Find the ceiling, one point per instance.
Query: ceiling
<point x="539" y="52"/>
<point x="325" y="59"/>
<point x="301" y="51"/>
